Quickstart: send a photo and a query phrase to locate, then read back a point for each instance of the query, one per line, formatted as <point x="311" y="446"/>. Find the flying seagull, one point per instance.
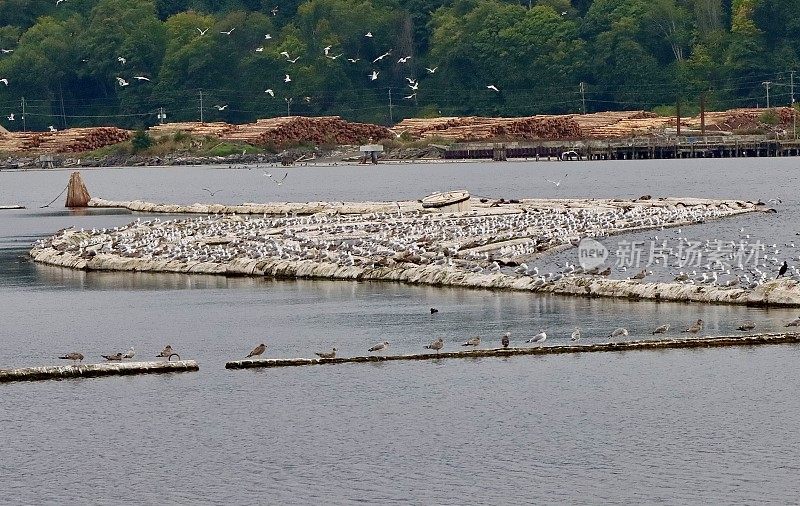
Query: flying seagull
<point x="557" y="183"/>
<point x="258" y="350"/>
<point x="229" y="31"/>
<point x="141" y="78"/>
<point x="121" y="60"/>
<point x="287" y="79"/>
<point x="269" y="90"/>
<point x="431" y="71"/>
<point x="293" y="61"/>
<point x="11" y="117"/>
<point x="221" y="107"/>
<point x="374" y="75"/>
<point x="492" y="87"/>
<point x="212" y="193"/>
<point x="122" y="82"/>
<point x="4" y="81"/>
<point x="368" y="34"/>
<point x="277" y="181"/>
<point x="381" y="57"/>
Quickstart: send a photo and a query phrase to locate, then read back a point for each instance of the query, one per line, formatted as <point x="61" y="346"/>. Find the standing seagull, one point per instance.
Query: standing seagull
<point x="130" y="353"/>
<point x="619" y="332"/>
<point x="505" y="340"/>
<point x="380" y="346"/>
<point x="113" y="358"/>
<point x="695" y="327"/>
<point x="472" y="341"/>
<point x="576" y="334"/>
<point x="74" y="356"/>
<point x="166" y="352"/>
<point x="257" y="351"/>
<point x="661" y="329"/>
<point x="783" y="270"/>
<point x="436" y="345"/>
<point x="538" y="338"/>
<point x="326" y="354"/>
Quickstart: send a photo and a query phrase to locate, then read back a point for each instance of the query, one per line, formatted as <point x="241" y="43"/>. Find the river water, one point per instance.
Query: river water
<point x="680" y="426"/>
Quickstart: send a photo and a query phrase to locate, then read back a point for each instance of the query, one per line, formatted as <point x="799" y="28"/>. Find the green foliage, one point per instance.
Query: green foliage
<point x="141" y="141"/>
<point x="769" y="117"/>
<point x="629" y="54"/>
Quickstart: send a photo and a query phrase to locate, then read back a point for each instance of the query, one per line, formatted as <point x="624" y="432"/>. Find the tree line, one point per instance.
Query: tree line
<point x="122" y="62"/>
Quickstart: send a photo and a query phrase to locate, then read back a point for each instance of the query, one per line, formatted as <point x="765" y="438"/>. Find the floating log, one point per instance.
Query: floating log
<point x="77" y="194"/>
<point x="12" y="206"/>
<point x="665" y="344"/>
<point x="57" y="372"/>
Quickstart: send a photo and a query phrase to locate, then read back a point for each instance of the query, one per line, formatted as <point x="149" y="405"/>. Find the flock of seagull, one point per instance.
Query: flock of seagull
<point x="75" y="356"/>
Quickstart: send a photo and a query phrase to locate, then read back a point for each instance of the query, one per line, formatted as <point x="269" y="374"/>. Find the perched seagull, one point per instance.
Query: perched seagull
<point x="472" y="341"/>
<point x="381" y="57"/>
<point x="409" y="97"/>
<point x="121" y="60"/>
<point x="576" y="334"/>
<point x="436" y="345"/>
<point x="52" y="128"/>
<point x="557" y="183"/>
<point x="202" y="32"/>
<point x="260" y="49"/>
<point x="212" y="193"/>
<point x="661" y="329"/>
<point x="748" y="325"/>
<point x="122" y="82"/>
<point x="326" y="354"/>
<point x="221" y="107"/>
<point x="403" y="59"/>
<point x="293" y="61"/>
<point x="794" y="323"/>
<point x="695" y="327"/>
<point x="11" y="117"/>
<point x="258" y="350"/>
<point x="229" y="31"/>
<point x="74" y="356"/>
<point x="368" y="34"/>
<point x="506" y="339"/>
<point x="287" y="79"/>
<point x="114" y="357"/>
<point x="431" y="71"/>
<point x="353" y="60"/>
<point x="130" y="353"/>
<point x="380" y="346"/>
<point x="620" y="331"/>
<point x="538" y="338"/>
<point x="492" y="87"/>
<point x="374" y="75"/>
<point x="166" y="352"/>
<point x="269" y="90"/>
<point x="141" y="78"/>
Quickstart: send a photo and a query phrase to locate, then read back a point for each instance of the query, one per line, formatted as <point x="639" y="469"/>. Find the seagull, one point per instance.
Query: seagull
<point x="202" y="32"/>
<point x="327" y="49"/>
<point x="269" y="90"/>
<point x="505" y="340"/>
<point x="334" y="57"/>
<point x="122" y="82"/>
<point x="661" y="329"/>
<point x="353" y="60"/>
<point x="538" y="338"/>
<point x="287" y="79"/>
<point x="293" y="61"/>
<point x="436" y="345"/>
<point x="6" y="51"/>
<point x="381" y="57"/>
<point x="114" y="357"/>
<point x="576" y="334"/>
<point x="221" y="107"/>
<point x="472" y="341"/>
<point x="783" y="270"/>
<point x="274" y="11"/>
<point x="748" y="325"/>
<point x="695" y="327"/>
<point x="492" y="87"/>
<point x="434" y="310"/>
<point x="380" y="346"/>
<point x="403" y="59"/>
<point x="4" y="81"/>
<point x="326" y="354"/>
<point x="258" y="350"/>
<point x="141" y="78"/>
<point x="368" y="34"/>
<point x="11" y="117"/>
<point x="409" y="97"/>
<point x="121" y="60"/>
<point x="212" y="193"/>
<point x="130" y="353"/>
<point x="259" y="49"/>
<point x="431" y="70"/>
<point x="620" y="331"/>
<point x="277" y="181"/>
<point x="285" y="53"/>
<point x="557" y="183"/>
<point x="267" y="37"/>
<point x="229" y="31"/>
<point x="74" y="356"/>
<point x="166" y="352"/>
<point x="374" y="75"/>
<point x="414" y="86"/>
<point x="52" y="128"/>
<point x="794" y="323"/>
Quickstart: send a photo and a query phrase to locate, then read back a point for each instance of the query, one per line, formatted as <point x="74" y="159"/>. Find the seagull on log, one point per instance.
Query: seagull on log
<point x="695" y="327"/>
<point x="74" y="356"/>
<point x="436" y="345"/>
<point x="472" y="341"/>
<point x="326" y="354"/>
<point x="258" y="350"/>
<point x="506" y="339"/>
<point x="130" y="353"/>
<point x="538" y="338"/>
<point x="661" y="329"/>
<point x="166" y="352"/>
<point x="113" y="358"/>
<point x="380" y="346"/>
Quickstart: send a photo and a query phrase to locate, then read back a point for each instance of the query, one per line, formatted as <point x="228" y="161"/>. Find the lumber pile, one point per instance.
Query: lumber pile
<point x="745" y="119"/>
<point x="291" y="130"/>
<point x="194" y="128"/>
<point x="72" y="140"/>
<point x="475" y="128"/>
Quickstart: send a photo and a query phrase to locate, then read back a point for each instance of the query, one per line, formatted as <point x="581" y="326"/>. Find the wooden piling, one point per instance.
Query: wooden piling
<point x="77" y="194"/>
<point x="57" y="372"/>
<point x="662" y="344"/>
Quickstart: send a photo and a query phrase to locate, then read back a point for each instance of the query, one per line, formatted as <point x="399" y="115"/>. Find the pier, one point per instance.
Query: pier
<point x="58" y="372"/>
<point x="663" y="344"/>
<point x="637" y="148"/>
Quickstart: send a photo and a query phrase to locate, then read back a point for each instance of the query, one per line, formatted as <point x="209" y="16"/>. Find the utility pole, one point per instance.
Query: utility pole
<point x="794" y="112"/>
<point x="201" y="107"/>
<point x="161" y="116"/>
<point x="24" y="126"/>
<point x="288" y="106"/>
<point x="702" y="114"/>
<point x="583" y="97"/>
<point x="391" y="117"/>
<point x="63" y="117"/>
<point x="766" y="85"/>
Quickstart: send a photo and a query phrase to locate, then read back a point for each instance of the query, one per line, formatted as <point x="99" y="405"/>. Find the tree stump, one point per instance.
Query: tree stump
<point x="77" y="194"/>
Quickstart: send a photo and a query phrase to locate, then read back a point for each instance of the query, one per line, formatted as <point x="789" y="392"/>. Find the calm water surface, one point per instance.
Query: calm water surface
<point x="684" y="426"/>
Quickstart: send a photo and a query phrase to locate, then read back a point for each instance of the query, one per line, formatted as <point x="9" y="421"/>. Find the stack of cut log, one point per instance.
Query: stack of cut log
<point x="474" y="128"/>
<point x="72" y="140"/>
<point x="194" y="128"/>
<point x="325" y="129"/>
<point x="741" y="119"/>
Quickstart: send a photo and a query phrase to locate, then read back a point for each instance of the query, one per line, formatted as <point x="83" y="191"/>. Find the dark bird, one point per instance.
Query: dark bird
<point x="695" y="327"/>
<point x="258" y="350"/>
<point x="505" y="339"/>
<point x="784" y="268"/>
<point x="212" y="193"/>
<point x="434" y="310"/>
<point x="112" y="358"/>
<point x="746" y="326"/>
<point x="326" y="354"/>
<point x="77" y="357"/>
<point x="436" y="345"/>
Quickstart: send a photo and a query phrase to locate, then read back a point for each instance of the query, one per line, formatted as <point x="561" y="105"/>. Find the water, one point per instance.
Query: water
<point x="676" y="426"/>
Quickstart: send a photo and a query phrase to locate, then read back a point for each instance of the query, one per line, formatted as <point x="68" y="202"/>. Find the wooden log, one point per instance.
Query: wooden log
<point x="662" y="344"/>
<point x="56" y="372"/>
<point x="12" y="206"/>
<point x="77" y="194"/>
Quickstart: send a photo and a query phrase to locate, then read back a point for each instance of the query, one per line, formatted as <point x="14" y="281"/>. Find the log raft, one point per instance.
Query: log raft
<point x="664" y="344"/>
<point x="57" y="372"/>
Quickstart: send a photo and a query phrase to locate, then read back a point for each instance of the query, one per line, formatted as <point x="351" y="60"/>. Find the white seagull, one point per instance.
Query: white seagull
<point x="229" y="31"/>
<point x="122" y="82"/>
<point x="404" y="59"/>
<point x="381" y="57"/>
<point x="11" y="117"/>
<point x="52" y="128"/>
<point x="410" y="96"/>
<point x="267" y="37"/>
<point x="287" y="79"/>
<point x="6" y="51"/>
<point x="576" y="334"/>
<point x="431" y="71"/>
<point x="202" y="32"/>
<point x="260" y="49"/>
<point x="353" y="60"/>
<point x="269" y="90"/>
<point x="368" y="34"/>
<point x="327" y="49"/>
<point x="141" y="78"/>
<point x="492" y="87"/>
<point x="558" y="183"/>
<point x="221" y="107"/>
<point x="4" y="81"/>
<point x="121" y="60"/>
<point x="538" y="338"/>
<point x="374" y="75"/>
<point x="293" y="61"/>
